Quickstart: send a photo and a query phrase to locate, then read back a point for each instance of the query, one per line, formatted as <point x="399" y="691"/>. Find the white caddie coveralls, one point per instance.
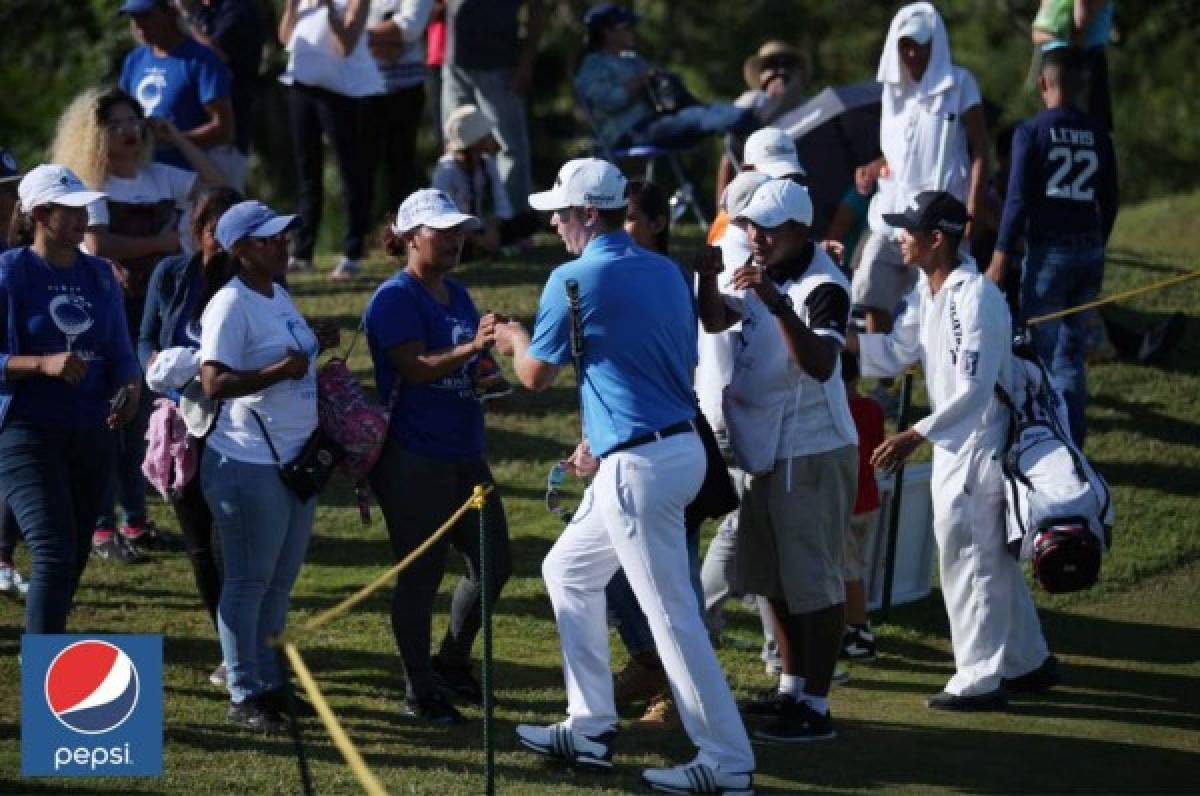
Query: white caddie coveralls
<point x="962" y="336"/>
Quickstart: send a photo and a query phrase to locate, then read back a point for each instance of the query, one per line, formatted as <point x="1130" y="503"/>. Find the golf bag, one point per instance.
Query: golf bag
<point x="1060" y="511"/>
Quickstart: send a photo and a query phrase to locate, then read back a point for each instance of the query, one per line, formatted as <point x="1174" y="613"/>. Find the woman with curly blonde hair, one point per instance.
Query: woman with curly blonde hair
<point x="105" y="138"/>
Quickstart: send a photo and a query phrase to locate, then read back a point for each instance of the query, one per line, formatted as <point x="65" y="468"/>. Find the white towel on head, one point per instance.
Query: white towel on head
<point x="938" y="75"/>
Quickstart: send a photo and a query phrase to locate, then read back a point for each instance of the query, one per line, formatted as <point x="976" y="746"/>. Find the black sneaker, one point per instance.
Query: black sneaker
<point x="859" y="643"/>
<point x="458" y="680"/>
<point x="992" y="700"/>
<point x="276" y="700"/>
<point x="1043" y="678"/>
<point x="435" y="709"/>
<point x="771" y="702"/>
<point x="115" y="547"/>
<point x="798" y="723"/>
<point x="252" y="715"/>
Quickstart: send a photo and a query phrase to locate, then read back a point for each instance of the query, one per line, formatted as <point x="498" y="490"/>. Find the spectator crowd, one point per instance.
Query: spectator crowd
<point x="149" y="337"/>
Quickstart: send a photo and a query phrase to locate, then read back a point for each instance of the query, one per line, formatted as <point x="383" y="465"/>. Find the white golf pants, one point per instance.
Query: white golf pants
<point x="632" y="517"/>
<point x="994" y="626"/>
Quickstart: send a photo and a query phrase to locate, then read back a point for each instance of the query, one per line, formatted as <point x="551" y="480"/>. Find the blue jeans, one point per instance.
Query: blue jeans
<point x="491" y="91"/>
<point x="127" y="484"/>
<point x="53" y="479"/>
<point x="1058" y="274"/>
<point x="688" y="123"/>
<point x="632" y="625"/>
<point x="264" y="531"/>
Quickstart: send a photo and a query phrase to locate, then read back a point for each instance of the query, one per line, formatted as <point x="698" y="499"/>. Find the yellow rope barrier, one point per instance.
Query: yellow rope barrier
<point x="370" y="785"/>
<point x="1137" y="291"/>
<point x="320" y="620"/>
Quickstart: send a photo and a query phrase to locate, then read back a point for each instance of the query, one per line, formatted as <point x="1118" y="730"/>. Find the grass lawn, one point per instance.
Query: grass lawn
<point x="1126" y="720"/>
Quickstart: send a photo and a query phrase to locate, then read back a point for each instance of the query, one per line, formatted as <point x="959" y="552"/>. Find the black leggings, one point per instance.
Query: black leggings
<point x="10" y="534"/>
<point x="201" y="540"/>
<point x="417" y="494"/>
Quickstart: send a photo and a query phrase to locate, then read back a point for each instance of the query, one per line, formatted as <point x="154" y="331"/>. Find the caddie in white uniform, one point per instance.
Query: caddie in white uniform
<point x="639" y="351"/>
<point x="957" y="324"/>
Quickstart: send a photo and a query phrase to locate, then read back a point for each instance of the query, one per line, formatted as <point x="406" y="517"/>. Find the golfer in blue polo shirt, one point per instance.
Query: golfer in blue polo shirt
<point x="639" y="351"/>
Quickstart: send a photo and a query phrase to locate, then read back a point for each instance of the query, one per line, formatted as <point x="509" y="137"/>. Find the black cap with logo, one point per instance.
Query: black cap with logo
<point x="929" y="211"/>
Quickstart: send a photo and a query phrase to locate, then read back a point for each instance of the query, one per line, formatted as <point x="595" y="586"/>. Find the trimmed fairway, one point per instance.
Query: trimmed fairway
<point x="1127" y="718"/>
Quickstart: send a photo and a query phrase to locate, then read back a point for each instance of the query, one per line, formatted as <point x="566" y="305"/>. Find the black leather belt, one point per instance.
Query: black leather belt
<point x="682" y="427"/>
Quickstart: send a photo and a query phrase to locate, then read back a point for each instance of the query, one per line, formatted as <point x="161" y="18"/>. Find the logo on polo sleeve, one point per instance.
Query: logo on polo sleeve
<point x="91" y="705"/>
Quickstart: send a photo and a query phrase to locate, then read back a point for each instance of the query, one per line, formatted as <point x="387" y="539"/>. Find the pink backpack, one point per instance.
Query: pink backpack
<point x="349" y="419"/>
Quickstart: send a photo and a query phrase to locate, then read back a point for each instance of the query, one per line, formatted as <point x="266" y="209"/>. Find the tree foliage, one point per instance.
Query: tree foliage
<point x="53" y="50"/>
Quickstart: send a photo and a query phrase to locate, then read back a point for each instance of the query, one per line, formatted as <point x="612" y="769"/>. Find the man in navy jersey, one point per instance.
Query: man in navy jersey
<point x="1062" y="199"/>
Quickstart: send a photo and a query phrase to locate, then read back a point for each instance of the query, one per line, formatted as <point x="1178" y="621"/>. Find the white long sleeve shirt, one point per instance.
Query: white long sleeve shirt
<point x="963" y="339"/>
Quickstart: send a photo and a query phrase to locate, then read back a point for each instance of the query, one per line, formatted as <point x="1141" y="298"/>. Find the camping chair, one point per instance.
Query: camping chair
<point x="685" y="194"/>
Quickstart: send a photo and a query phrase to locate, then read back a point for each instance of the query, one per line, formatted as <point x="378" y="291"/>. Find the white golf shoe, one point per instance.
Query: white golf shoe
<point x="559" y="740"/>
<point x="698" y="777"/>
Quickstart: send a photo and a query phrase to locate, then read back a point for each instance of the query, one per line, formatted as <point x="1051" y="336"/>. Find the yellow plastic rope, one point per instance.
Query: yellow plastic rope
<point x="476" y="502"/>
<point x="1115" y="297"/>
<point x="370" y="785"/>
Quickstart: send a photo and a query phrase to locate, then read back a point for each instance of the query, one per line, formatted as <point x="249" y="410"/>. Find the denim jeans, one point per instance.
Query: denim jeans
<point x="1059" y="274"/>
<point x="126" y="484"/>
<point x="52" y="479"/>
<point x="632" y="624"/>
<point x="688" y="123"/>
<point x="264" y="531"/>
<point x="491" y="91"/>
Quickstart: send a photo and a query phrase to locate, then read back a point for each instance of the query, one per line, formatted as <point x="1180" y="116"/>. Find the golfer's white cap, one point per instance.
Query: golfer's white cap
<point x="773" y="152"/>
<point x="52" y="184"/>
<point x="917" y="26"/>
<point x="776" y="202"/>
<point x="431" y="208"/>
<point x="584" y="182"/>
<point x="738" y="192"/>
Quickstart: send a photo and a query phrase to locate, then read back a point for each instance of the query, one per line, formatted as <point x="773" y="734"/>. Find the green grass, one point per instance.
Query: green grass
<point x="1126" y="721"/>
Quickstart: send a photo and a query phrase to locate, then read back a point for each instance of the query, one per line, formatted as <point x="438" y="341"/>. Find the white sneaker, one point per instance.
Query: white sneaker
<point x="698" y="777"/>
<point x="11" y="582"/>
<point x="559" y="740"/>
<point x="297" y="264"/>
<point x="345" y="270"/>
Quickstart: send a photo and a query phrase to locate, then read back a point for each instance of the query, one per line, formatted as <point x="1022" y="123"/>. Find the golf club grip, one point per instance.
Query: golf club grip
<point x="572" y="287"/>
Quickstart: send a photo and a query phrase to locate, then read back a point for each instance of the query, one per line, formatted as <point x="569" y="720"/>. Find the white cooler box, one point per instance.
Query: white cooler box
<point x="915" y="546"/>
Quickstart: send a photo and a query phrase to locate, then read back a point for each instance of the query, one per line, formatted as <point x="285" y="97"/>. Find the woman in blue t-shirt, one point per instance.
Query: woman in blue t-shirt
<point x="176" y="296"/>
<point x="67" y="379"/>
<point x="426" y="340"/>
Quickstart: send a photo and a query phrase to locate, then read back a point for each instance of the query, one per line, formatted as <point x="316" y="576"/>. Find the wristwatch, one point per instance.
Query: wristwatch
<point x="784" y="302"/>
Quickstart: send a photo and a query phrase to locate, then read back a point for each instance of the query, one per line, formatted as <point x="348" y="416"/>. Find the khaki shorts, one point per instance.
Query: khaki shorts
<point x="881" y="279"/>
<point x="858" y="544"/>
<point x="791" y="527"/>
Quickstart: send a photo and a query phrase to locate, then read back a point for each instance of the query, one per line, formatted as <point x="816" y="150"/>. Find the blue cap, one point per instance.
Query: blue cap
<point x="606" y="15"/>
<point x="8" y="166"/>
<point x="140" y="6"/>
<point x="250" y="220"/>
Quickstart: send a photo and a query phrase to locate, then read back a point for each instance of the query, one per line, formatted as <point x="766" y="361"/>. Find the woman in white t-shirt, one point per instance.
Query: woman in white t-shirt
<point x="331" y="75"/>
<point x="104" y="137"/>
<point x="259" y="360"/>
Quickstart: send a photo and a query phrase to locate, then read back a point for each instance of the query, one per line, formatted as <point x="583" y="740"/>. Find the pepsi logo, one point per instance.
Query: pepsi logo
<point x="92" y="687"/>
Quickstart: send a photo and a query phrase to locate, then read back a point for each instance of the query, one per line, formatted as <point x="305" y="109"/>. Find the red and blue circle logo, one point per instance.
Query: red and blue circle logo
<point x="92" y="687"/>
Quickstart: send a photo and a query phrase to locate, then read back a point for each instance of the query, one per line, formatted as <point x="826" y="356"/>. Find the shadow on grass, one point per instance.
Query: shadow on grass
<point x="1144" y="418"/>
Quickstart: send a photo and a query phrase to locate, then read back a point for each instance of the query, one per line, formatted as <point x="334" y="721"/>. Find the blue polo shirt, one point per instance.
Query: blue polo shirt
<point x="176" y="86"/>
<point x="441" y="419"/>
<point x="639" y="332"/>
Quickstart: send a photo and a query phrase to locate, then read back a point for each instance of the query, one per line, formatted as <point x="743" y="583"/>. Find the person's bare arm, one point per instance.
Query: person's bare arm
<point x="535" y="23"/>
<point x="287" y="21"/>
<point x="816" y="354"/>
<point x="112" y="246"/>
<point x="417" y="365"/>
<point x="533" y="373"/>
<point x="1085" y="11"/>
<point x="222" y="383"/>
<point x="977" y="146"/>
<point x="207" y="173"/>
<point x="348" y="28"/>
<point x="715" y="315"/>
<point x="218" y="130"/>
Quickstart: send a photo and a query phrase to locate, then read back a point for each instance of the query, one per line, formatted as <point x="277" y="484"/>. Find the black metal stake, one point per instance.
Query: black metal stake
<point x="889" y="571"/>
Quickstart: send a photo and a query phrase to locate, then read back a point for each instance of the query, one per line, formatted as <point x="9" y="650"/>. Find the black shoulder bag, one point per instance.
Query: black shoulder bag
<point x="308" y="473"/>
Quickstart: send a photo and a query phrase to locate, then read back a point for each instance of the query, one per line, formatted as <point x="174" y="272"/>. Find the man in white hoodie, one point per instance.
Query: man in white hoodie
<point x="933" y="136"/>
<point x="956" y="324"/>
